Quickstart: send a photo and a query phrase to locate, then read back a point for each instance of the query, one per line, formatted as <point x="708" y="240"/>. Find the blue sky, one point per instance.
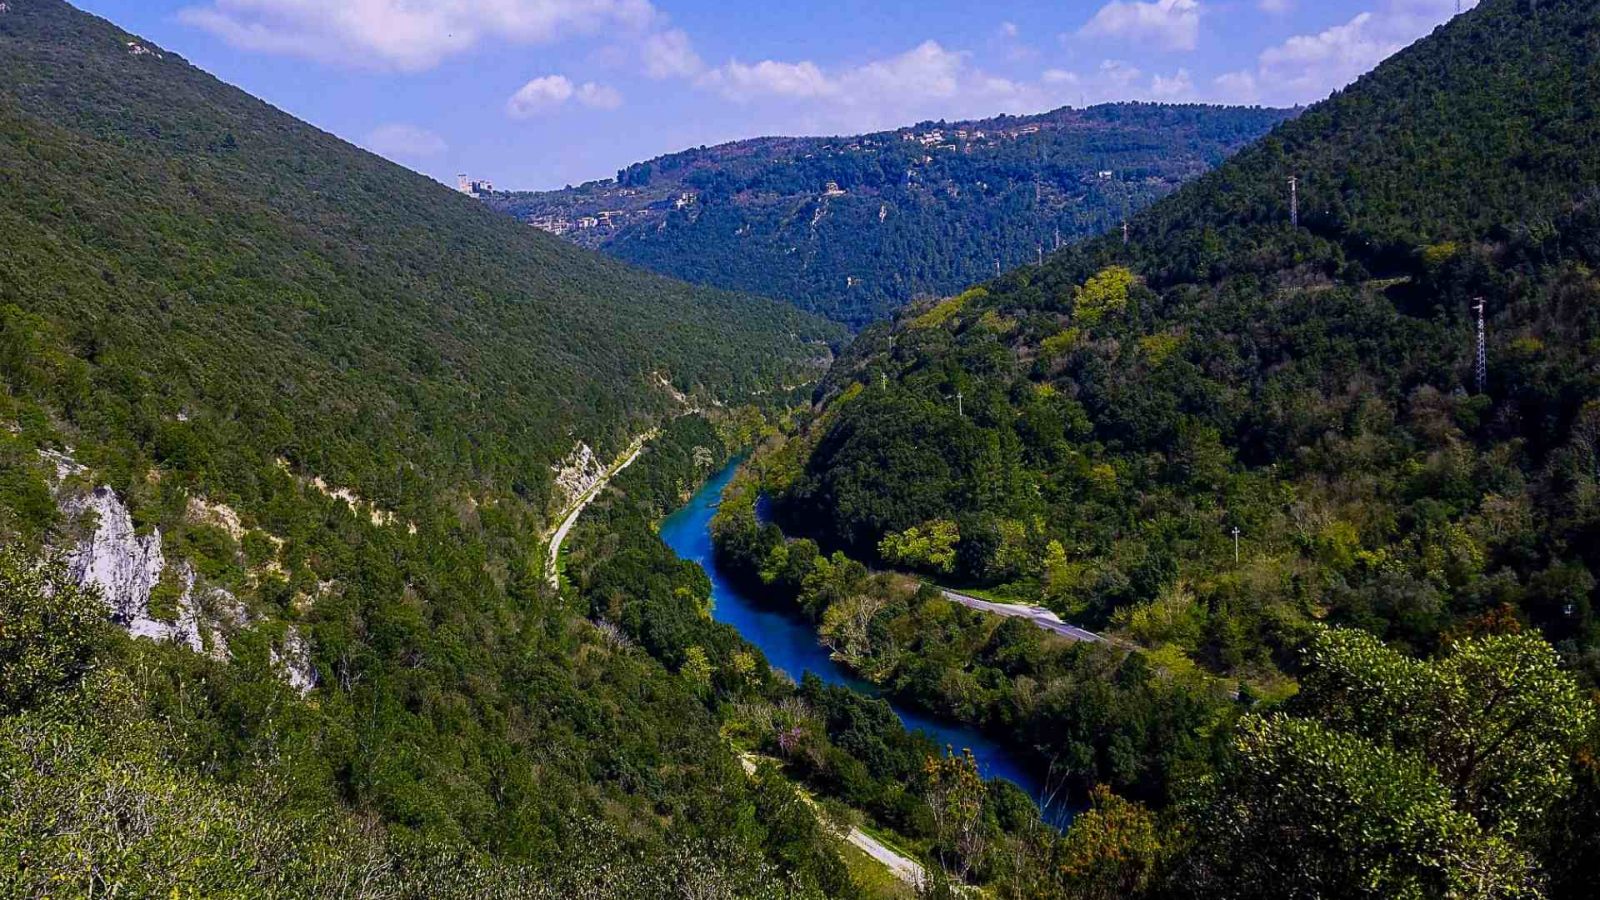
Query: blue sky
<point x="540" y="93"/>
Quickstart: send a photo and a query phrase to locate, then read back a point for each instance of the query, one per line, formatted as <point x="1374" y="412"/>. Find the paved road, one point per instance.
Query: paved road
<point x="1038" y="615"/>
<point x="1045" y="619"/>
<point x="902" y="867"/>
<point x="587" y="497"/>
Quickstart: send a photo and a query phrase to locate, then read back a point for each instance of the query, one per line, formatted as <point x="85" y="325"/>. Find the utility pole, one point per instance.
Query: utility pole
<point x="1041" y="254"/>
<point x="1294" y="200"/>
<point x="997" y="267"/>
<point x="1124" y="232"/>
<point x="960" y="410"/>
<point x="1235" y="545"/>
<point x="1058" y="237"/>
<point x="1483" y="349"/>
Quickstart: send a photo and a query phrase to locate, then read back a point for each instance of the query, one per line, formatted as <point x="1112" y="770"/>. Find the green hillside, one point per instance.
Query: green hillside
<point x="198" y="252"/>
<point x="920" y="211"/>
<point x="296" y="409"/>
<point x="1092" y="434"/>
<point x="1308" y="384"/>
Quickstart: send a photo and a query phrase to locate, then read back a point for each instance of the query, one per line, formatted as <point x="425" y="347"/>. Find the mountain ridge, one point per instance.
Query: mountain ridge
<point x="853" y="226"/>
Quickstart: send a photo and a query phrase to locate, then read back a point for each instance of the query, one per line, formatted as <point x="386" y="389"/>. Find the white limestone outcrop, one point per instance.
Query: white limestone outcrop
<point x="577" y="474"/>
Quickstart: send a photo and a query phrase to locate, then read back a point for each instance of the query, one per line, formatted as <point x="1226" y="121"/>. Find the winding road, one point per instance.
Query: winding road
<point x="1045" y="619"/>
<point x="577" y="506"/>
<point x="901" y="866"/>
<point x="1038" y="615"/>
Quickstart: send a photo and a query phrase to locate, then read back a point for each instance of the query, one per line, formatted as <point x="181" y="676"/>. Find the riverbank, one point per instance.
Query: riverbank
<point x="790" y="644"/>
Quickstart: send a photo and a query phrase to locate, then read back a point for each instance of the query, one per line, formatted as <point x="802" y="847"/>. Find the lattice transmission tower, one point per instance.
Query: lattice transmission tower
<point x="1483" y="349"/>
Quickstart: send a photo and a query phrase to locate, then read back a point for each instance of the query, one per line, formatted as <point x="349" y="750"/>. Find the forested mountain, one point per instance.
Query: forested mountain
<point x="293" y="414"/>
<point x="853" y="227"/>
<point x="1237" y="444"/>
<point x="290" y="294"/>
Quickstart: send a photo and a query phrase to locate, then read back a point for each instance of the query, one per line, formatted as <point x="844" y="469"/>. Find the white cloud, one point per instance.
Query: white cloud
<point x="1167" y="24"/>
<point x="1115" y="80"/>
<point x="1118" y="73"/>
<point x="1176" y="88"/>
<point x="738" y="81"/>
<point x="405" y="35"/>
<point x="598" y="96"/>
<point x="1238" y="87"/>
<point x="1308" y="67"/>
<point x="927" y="80"/>
<point x="1007" y="41"/>
<point x="670" y="54"/>
<point x="405" y="143"/>
<point x="1275" y="7"/>
<point x="551" y="92"/>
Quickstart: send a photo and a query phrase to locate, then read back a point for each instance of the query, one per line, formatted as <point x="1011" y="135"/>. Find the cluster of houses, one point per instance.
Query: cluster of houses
<point x="938" y="137"/>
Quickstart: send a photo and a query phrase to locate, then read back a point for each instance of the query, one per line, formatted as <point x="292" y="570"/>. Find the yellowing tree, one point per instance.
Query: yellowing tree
<point x="931" y="545"/>
<point x="1104" y="294"/>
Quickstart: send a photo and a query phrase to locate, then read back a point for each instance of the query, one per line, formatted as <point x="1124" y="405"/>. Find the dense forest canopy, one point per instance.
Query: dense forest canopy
<point x="294" y="411"/>
<point x="1314" y="386"/>
<point x="175" y="248"/>
<point x="853" y="227"/>
<point x="1217" y="440"/>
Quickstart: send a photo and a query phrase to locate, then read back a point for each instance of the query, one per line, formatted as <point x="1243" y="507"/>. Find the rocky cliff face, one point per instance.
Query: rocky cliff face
<point x="294" y="662"/>
<point x="128" y="567"/>
<point x="124" y="565"/>
<point x="577" y="474"/>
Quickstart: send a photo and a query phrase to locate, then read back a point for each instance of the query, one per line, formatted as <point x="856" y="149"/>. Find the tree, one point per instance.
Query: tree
<point x="1495" y="716"/>
<point x="931" y="545"/>
<point x="955" y="793"/>
<point x="1304" y="811"/>
<point x="1113" y="850"/>
<point x="50" y="628"/>
<point x="1105" y="293"/>
<point x="696" y="668"/>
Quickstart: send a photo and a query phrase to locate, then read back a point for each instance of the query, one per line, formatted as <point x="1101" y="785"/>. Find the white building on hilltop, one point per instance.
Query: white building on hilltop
<point x="473" y="187"/>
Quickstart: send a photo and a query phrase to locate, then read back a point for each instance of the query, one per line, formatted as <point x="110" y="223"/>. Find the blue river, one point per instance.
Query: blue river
<point x="791" y="646"/>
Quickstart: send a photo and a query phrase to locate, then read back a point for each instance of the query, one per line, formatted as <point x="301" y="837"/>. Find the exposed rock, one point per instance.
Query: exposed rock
<point x="577" y="474"/>
<point x="65" y="465"/>
<point x="219" y="514"/>
<point x="127" y="566"/>
<point x="294" y="662"/>
<point x="375" y="514"/>
<point x="124" y="565"/>
<point x="665" y="383"/>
